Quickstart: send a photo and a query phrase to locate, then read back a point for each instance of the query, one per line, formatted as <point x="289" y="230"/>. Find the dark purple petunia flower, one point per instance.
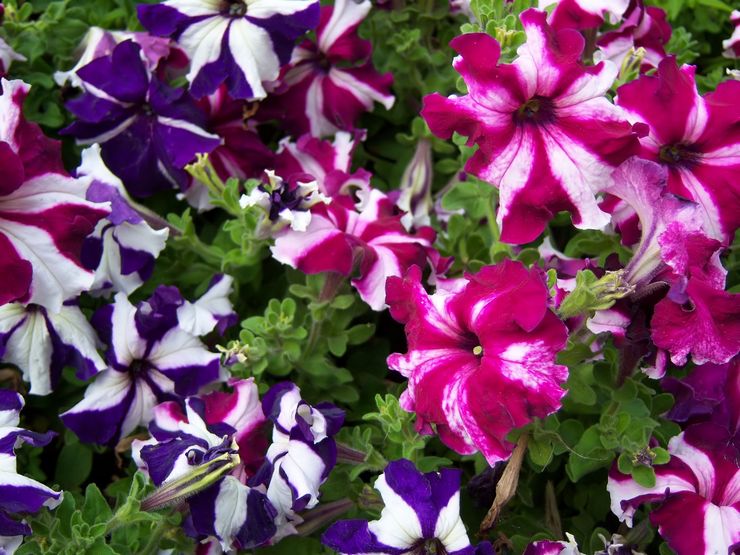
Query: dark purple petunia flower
<point x="147" y="130"/>
<point x="18" y="494"/>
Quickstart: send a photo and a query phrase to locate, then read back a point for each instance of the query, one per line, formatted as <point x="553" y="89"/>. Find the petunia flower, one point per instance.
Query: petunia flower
<point x="283" y="204"/>
<point x="421" y="515"/>
<point x="584" y="14"/>
<point x="303" y="450"/>
<point x="18" y="494"/>
<point x="329" y="83"/>
<point x="41" y="343"/>
<point x="645" y="28"/>
<point x="481" y="355"/>
<point x="328" y="162"/>
<point x="151" y="360"/>
<point x="369" y="245"/>
<point x="238" y="42"/>
<point x="211" y="311"/>
<point x="696" y="501"/>
<point x="99" y="42"/>
<point x="548" y="137"/>
<point x="147" y="130"/>
<point x="44" y="217"/>
<point x="123" y="247"/>
<point x="8" y="56"/>
<point x="242" y="154"/>
<point x="732" y="45"/>
<point x="548" y="547"/>
<point x="695" y="137"/>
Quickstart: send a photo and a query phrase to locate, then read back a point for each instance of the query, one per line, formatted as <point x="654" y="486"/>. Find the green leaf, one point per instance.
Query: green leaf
<point x="644" y="475"/>
<point x="540" y="451"/>
<point x="73" y="465"/>
<point x="95" y="508"/>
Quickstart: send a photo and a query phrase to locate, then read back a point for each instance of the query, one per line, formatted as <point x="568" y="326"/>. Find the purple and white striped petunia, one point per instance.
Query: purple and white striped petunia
<point x="584" y="14"/>
<point x="123" y="247"/>
<point x="44" y="216"/>
<point x="221" y="432"/>
<point x="481" y="355"/>
<point x="695" y="137"/>
<point x="99" y="42"/>
<point x="283" y="203"/>
<point x="238" y="42"/>
<point x="732" y="45"/>
<point x="18" y="494"/>
<point x="303" y="450"/>
<point x="371" y="245"/>
<point x="147" y="130"/>
<point x="42" y="343"/>
<point x="696" y="494"/>
<point x="151" y="359"/>
<point x="421" y="515"/>
<point x="328" y="162"/>
<point x="548" y="138"/>
<point x="329" y="83"/>
<point x="643" y="28"/>
<point x="212" y="310"/>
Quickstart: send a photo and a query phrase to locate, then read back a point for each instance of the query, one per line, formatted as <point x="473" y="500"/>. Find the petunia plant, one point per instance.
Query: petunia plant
<point x="363" y="277"/>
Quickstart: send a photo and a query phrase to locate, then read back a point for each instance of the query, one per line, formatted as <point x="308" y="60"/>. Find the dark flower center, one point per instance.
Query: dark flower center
<point x="679" y="154"/>
<point x="537" y="109"/>
<point x="429" y="547"/>
<point x="138" y="367"/>
<point x="281" y="198"/>
<point x="234" y="8"/>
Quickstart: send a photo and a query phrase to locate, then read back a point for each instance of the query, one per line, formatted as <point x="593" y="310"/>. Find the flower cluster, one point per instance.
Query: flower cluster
<point x="241" y="489"/>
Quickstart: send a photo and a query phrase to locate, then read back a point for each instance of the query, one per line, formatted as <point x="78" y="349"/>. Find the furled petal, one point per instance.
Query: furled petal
<point x="212" y="310"/>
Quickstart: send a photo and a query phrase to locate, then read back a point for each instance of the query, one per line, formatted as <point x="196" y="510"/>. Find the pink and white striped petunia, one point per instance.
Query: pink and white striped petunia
<point x="7" y="57"/>
<point x="732" y="45"/>
<point x="548" y="137"/>
<point x="369" y="245"/>
<point x="481" y="355"/>
<point x="584" y="14"/>
<point x="330" y="83"/>
<point x="44" y="217"/>
<point x="643" y="28"/>
<point x="696" y="497"/>
<point x="695" y="137"/>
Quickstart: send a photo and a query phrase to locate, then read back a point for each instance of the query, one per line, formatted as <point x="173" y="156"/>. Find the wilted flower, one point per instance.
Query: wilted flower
<point x="41" y="343"/>
<point x="329" y="83"/>
<point x="481" y="355"/>
<point x="697" y="501"/>
<point x="695" y="137"/>
<point x="44" y="217"/>
<point x="151" y="358"/>
<point x="421" y="515"/>
<point x="18" y="494"/>
<point x="548" y="547"/>
<point x="147" y="130"/>
<point x="238" y="42"/>
<point x="548" y="137"/>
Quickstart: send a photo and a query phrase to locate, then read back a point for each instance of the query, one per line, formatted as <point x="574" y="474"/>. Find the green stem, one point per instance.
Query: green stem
<point x="155" y="538"/>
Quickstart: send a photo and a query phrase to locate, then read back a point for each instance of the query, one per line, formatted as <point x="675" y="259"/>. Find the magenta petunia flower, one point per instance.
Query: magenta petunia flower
<point x="548" y="137"/>
<point x="696" y="497"/>
<point x="330" y="83"/>
<point x="697" y="138"/>
<point x="369" y="244"/>
<point x="584" y="14"/>
<point x="44" y="217"/>
<point x="481" y="355"/>
<point x="643" y="27"/>
<point x="732" y="45"/>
